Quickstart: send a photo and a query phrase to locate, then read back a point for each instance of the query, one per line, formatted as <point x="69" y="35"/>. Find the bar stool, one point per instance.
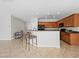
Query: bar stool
<point x="19" y="35"/>
<point x="30" y="36"/>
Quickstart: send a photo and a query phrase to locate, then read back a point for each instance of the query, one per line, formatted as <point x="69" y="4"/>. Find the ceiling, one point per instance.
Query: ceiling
<point x="28" y="9"/>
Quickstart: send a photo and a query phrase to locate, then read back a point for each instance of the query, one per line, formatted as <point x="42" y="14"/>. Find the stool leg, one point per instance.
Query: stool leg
<point x="29" y="44"/>
<point x="26" y="42"/>
<point x="22" y="41"/>
<point x="32" y="41"/>
<point x="36" y="41"/>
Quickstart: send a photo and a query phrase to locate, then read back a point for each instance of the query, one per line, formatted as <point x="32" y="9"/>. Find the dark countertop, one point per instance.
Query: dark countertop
<point x="45" y="30"/>
<point x="73" y="32"/>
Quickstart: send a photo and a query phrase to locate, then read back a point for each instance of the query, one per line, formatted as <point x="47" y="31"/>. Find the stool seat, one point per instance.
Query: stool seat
<point x="33" y="36"/>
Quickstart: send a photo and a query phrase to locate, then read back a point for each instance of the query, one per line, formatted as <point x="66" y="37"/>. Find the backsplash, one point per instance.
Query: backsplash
<point x="73" y="28"/>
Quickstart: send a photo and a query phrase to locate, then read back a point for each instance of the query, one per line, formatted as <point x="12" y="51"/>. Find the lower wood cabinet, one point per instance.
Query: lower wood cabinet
<point x="74" y="38"/>
<point x="70" y="38"/>
<point x="65" y="37"/>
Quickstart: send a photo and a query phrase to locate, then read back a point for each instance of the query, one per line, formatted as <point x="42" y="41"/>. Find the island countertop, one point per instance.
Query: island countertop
<point x="43" y="30"/>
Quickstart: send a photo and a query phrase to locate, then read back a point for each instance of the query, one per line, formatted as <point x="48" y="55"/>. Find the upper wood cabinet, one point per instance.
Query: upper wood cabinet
<point x="49" y="24"/>
<point x="70" y="21"/>
<point x="76" y="20"/>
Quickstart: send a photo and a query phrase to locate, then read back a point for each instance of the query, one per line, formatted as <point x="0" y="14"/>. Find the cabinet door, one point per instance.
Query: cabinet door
<point x="69" y="21"/>
<point x="76" y="20"/>
<point x="65" y="37"/>
<point x="75" y="39"/>
<point x="49" y="24"/>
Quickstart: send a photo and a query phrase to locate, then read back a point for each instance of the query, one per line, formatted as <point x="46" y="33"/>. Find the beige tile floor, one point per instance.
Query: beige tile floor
<point x="15" y="48"/>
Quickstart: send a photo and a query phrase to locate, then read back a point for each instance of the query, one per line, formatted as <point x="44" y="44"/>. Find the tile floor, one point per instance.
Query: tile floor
<point x="17" y="49"/>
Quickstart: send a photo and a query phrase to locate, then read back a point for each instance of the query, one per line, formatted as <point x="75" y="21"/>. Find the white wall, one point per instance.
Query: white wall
<point x="5" y="27"/>
<point x="5" y="22"/>
<point x="32" y="24"/>
<point x="16" y="25"/>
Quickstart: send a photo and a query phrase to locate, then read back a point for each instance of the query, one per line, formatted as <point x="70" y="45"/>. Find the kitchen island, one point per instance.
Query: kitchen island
<point x="48" y="38"/>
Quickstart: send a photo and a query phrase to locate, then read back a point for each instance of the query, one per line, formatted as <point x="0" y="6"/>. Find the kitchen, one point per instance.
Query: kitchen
<point x="46" y="36"/>
<point x="49" y="33"/>
<point x="69" y="29"/>
<point x="70" y="34"/>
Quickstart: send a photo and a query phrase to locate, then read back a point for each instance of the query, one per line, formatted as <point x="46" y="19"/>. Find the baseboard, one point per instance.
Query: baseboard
<point x="5" y="39"/>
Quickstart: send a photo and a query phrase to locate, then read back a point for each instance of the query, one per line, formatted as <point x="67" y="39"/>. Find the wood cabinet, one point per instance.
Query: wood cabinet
<point x="65" y="37"/>
<point x="76" y="21"/>
<point x="74" y="38"/>
<point x="49" y="24"/>
<point x="70" y="21"/>
<point x="70" y="38"/>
